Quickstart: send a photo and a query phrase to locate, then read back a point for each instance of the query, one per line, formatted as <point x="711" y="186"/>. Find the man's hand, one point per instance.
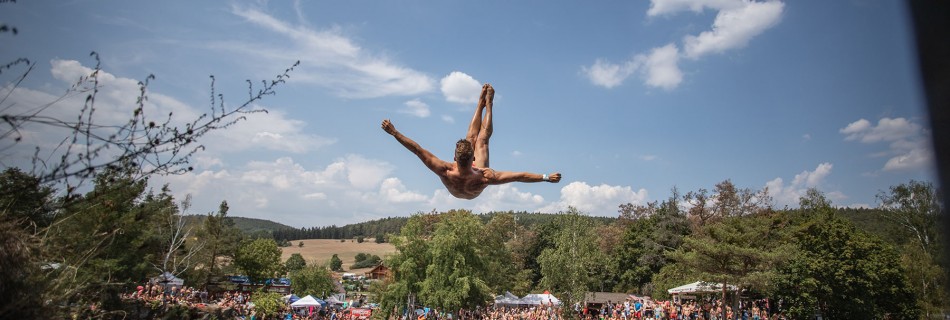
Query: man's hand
<point x="555" y="177"/>
<point x="388" y="127"/>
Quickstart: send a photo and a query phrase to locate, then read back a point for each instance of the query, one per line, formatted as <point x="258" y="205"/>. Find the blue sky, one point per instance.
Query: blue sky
<point x="627" y="99"/>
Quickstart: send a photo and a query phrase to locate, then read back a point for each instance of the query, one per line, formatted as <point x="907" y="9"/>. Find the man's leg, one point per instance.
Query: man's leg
<point x="481" y="143"/>
<point x="476" y="124"/>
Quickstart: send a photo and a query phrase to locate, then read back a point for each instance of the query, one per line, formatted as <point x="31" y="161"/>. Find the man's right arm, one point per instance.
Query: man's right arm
<point x="430" y="160"/>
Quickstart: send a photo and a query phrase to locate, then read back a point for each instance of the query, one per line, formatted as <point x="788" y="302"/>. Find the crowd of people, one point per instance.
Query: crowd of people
<point x="630" y="309"/>
<point x="237" y="305"/>
<point x="709" y="309"/>
<point x="232" y="303"/>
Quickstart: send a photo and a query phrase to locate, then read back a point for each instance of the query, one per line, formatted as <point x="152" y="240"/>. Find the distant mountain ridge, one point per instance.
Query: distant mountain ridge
<point x="246" y="225"/>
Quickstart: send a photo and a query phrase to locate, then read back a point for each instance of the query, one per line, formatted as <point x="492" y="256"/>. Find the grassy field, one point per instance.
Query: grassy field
<point x="320" y="250"/>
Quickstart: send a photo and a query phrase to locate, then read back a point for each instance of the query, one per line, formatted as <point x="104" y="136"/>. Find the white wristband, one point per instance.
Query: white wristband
<point x="544" y="177"/>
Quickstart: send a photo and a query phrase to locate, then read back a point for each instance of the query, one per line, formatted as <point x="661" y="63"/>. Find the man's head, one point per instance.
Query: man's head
<point x="464" y="153"/>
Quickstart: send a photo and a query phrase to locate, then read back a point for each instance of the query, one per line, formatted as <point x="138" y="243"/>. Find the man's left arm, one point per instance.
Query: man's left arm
<point x="502" y="177"/>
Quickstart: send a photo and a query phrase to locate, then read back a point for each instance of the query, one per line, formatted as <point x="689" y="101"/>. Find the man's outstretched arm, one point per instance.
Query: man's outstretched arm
<point x="502" y="177"/>
<point x="430" y="160"/>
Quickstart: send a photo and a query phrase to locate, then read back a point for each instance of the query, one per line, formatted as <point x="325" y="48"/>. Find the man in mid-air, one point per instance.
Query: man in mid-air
<point x="469" y="174"/>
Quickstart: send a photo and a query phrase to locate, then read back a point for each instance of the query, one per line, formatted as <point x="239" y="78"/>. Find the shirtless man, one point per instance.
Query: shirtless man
<point x="469" y="174"/>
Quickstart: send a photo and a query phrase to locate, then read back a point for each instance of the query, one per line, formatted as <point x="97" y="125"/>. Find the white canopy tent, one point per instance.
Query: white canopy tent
<point x="700" y="287"/>
<point x="308" y="301"/>
<point x="541" y="299"/>
<point x="508" y="299"/>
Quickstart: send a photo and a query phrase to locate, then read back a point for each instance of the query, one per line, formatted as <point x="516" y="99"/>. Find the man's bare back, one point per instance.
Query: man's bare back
<point x="469" y="174"/>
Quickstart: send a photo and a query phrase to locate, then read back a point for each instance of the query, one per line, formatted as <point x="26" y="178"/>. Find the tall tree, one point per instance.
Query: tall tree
<point x="295" y="262"/>
<point x="221" y="238"/>
<point x="915" y="208"/>
<point x="568" y="267"/>
<point x="456" y="272"/>
<point x="839" y="271"/>
<point x="494" y="247"/>
<point x="740" y="251"/>
<point x="408" y="265"/>
<point x="314" y="279"/>
<point x="176" y="256"/>
<point x="259" y="259"/>
<point x="107" y="238"/>
<point x="646" y="242"/>
<point x="335" y="263"/>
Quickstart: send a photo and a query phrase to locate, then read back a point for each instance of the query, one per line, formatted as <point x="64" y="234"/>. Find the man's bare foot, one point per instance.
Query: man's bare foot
<point x="489" y="93"/>
<point x="481" y="98"/>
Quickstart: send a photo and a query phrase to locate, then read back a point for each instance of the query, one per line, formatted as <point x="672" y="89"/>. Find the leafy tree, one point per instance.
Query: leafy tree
<point x="455" y="274"/>
<point x="24" y="199"/>
<point x="408" y="265"/>
<point x="840" y="271"/>
<point x="380" y="238"/>
<point x="737" y="250"/>
<point x="314" y="280"/>
<point x="259" y="259"/>
<point x="498" y="258"/>
<point x="915" y="208"/>
<point x="221" y="238"/>
<point x="335" y="263"/>
<point x="295" y="262"/>
<point x="267" y="304"/>
<point x="646" y="242"/>
<point x="300" y="245"/>
<point x="359" y="239"/>
<point x="567" y="267"/>
<point x="366" y="261"/>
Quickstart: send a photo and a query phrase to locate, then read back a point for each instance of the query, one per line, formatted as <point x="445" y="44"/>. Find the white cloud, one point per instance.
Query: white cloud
<point x="596" y="200"/>
<point x="392" y="190"/>
<point x="448" y="119"/>
<point x="416" y="108"/>
<point x="662" y="7"/>
<point x="506" y="197"/>
<point x="887" y="129"/>
<point x="365" y="173"/>
<point x="609" y="75"/>
<point x="329" y="59"/>
<point x="660" y="67"/>
<point x="788" y="195"/>
<point x="286" y="191"/>
<point x="915" y="158"/>
<point x="736" y="23"/>
<point x="648" y="157"/>
<point x="273" y="130"/>
<point x="908" y="149"/>
<point x="734" y="27"/>
<point x="461" y="88"/>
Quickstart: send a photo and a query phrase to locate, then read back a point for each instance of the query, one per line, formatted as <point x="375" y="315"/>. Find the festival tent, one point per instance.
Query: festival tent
<point x="291" y="298"/>
<point x="541" y="299"/>
<point x="700" y="287"/>
<point x="168" y="280"/>
<point x="308" y="301"/>
<point x="508" y="299"/>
